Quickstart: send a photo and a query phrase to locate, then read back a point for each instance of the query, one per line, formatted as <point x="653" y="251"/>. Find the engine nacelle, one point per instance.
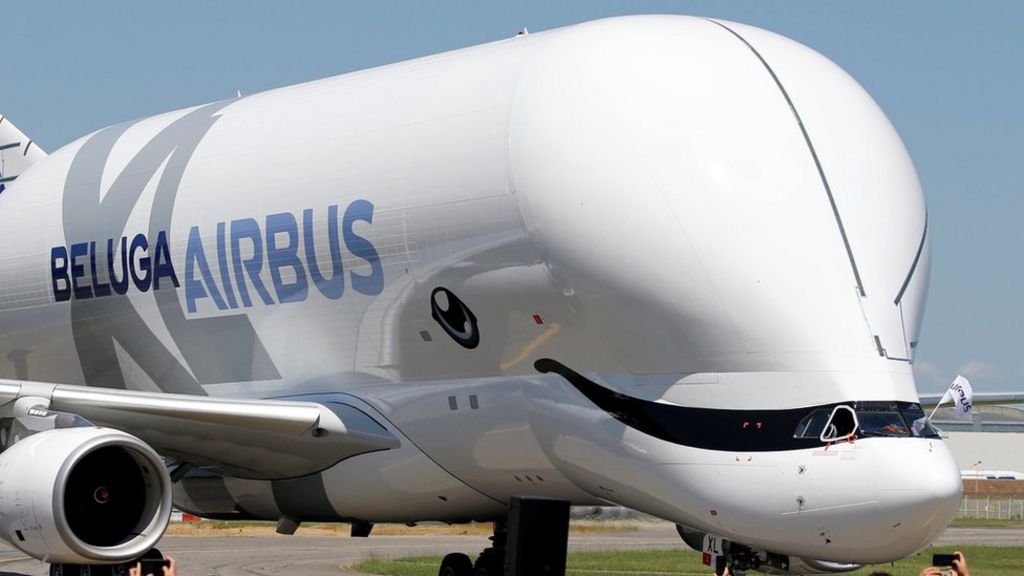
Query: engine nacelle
<point x="742" y="558"/>
<point x="83" y="496"/>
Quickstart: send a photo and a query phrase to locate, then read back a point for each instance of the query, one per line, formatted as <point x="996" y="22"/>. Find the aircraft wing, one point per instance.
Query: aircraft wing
<point x="260" y="439"/>
<point x="982" y="399"/>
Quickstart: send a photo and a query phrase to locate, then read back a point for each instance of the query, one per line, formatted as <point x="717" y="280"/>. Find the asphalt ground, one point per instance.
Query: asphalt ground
<point x="334" y="555"/>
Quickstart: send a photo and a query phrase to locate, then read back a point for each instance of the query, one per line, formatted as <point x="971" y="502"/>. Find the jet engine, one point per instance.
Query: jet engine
<point x="741" y="558"/>
<point x="83" y="496"/>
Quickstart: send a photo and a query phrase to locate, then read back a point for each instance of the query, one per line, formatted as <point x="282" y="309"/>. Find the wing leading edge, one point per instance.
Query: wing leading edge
<point x="982" y="399"/>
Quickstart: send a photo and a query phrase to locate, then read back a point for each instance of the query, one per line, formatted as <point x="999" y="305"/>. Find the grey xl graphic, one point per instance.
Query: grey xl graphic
<point x="223" y="349"/>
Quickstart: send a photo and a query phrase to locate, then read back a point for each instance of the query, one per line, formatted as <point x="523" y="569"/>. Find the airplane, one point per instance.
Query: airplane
<point x="671" y="263"/>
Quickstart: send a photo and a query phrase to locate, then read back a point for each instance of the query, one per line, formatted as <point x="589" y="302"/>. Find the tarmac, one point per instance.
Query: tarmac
<point x="335" y="555"/>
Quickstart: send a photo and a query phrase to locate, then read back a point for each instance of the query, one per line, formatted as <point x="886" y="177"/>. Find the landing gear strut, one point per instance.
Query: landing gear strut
<point x="532" y="541"/>
<point x="491" y="561"/>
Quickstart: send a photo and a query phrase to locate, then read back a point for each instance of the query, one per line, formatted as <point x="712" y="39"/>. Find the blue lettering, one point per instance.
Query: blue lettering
<point x="222" y="262"/>
<point x="287" y="256"/>
<point x="143" y="282"/>
<point x="144" y="265"/>
<point x="247" y="228"/>
<point x="162" y="262"/>
<point x="98" y="288"/>
<point x="119" y="286"/>
<point x="334" y="286"/>
<point x="78" y="271"/>
<point x="59" y="274"/>
<point x="373" y="283"/>
<point x="194" y="289"/>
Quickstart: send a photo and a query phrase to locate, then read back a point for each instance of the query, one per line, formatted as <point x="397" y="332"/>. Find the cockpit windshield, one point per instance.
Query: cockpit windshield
<point x="873" y="419"/>
<point x="881" y="424"/>
<point x="812" y="425"/>
<point x="920" y="425"/>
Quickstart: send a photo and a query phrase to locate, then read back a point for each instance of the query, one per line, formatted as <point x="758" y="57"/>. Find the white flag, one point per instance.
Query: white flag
<point x="962" y="395"/>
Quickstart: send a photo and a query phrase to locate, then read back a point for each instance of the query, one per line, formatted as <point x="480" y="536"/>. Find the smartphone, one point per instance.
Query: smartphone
<point x="154" y="566"/>
<point x="943" y="559"/>
<point x="720" y="565"/>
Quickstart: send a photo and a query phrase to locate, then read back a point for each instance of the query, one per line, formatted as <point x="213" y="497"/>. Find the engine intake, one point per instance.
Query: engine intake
<point x="83" y="496"/>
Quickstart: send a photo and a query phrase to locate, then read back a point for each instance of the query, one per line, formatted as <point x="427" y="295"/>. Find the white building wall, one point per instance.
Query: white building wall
<point x="995" y="450"/>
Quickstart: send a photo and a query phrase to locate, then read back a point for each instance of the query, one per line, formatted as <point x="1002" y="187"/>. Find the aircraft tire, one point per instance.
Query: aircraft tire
<point x="456" y="565"/>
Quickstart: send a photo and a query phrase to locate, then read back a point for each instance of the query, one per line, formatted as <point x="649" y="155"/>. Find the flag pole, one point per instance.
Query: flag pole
<point x="937" y="406"/>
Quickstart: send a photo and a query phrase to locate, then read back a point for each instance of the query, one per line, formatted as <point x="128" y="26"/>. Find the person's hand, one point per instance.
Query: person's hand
<point x="931" y="571"/>
<point x="960" y="564"/>
<point x="135" y="570"/>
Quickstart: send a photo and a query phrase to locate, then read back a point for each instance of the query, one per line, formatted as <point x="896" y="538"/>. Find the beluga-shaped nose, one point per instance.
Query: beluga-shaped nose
<point x="919" y="492"/>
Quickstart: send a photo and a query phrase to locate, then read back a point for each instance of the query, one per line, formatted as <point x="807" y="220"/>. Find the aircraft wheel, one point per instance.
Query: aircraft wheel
<point x="456" y="565"/>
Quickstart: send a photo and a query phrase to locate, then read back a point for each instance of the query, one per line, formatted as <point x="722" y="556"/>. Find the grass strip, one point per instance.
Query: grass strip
<point x="987" y="560"/>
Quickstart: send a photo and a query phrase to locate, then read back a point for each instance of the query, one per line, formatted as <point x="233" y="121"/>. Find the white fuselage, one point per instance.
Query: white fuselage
<point x="689" y="213"/>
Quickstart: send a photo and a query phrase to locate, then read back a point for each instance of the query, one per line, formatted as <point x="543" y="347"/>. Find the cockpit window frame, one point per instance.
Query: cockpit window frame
<point x="830" y="426"/>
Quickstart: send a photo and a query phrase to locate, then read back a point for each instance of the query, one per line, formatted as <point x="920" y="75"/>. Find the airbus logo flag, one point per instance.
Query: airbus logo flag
<point x="962" y="395"/>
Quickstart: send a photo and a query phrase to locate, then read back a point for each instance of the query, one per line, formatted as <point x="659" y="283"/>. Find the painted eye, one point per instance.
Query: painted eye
<point x="454" y="317"/>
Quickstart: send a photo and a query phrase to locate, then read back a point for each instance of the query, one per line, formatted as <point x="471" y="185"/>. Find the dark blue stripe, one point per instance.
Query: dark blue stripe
<point x="705" y="428"/>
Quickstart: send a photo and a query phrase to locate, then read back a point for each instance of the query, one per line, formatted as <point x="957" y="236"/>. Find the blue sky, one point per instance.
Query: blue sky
<point x="948" y="74"/>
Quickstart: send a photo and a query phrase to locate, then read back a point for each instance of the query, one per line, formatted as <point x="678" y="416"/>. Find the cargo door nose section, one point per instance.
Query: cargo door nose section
<point x="813" y="153"/>
<point x="868" y="180"/>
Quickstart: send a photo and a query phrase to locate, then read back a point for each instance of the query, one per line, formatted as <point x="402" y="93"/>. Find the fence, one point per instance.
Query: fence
<point x="988" y="508"/>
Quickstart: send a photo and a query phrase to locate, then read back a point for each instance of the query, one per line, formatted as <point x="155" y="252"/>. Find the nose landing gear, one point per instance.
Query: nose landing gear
<point x="531" y="542"/>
